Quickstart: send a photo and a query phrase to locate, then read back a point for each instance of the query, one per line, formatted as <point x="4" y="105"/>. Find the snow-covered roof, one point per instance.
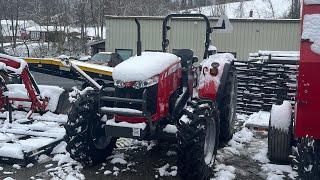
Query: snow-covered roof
<point x="261" y="9"/>
<point x="23" y="23"/>
<point x="139" y="68"/>
<point x="90" y="31"/>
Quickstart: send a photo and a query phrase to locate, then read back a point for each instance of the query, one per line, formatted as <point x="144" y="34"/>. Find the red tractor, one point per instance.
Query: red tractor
<point x="302" y="133"/>
<point x="153" y="99"/>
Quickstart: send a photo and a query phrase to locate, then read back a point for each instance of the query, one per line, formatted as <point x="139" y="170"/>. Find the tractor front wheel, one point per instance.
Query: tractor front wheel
<point x="85" y="135"/>
<point x="198" y="137"/>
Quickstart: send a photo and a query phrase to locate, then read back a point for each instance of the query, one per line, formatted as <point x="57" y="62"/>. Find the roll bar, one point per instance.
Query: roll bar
<point x="139" y="37"/>
<point x="166" y="28"/>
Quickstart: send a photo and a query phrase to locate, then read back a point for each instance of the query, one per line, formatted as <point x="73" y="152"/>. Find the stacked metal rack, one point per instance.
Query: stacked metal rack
<point x="267" y="78"/>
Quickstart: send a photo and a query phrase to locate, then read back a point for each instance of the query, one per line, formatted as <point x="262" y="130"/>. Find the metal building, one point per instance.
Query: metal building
<point x="248" y="35"/>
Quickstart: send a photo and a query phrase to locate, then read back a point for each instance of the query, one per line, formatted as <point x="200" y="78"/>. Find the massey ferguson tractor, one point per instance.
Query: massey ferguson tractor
<point x="303" y="134"/>
<point x="153" y="99"/>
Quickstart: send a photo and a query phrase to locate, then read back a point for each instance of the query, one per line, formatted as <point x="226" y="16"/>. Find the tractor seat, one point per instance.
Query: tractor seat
<point x="186" y="56"/>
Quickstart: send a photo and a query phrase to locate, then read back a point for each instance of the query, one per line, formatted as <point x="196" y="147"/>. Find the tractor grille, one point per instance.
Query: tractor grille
<point x="132" y="93"/>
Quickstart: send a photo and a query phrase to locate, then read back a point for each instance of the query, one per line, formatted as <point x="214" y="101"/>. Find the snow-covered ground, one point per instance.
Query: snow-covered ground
<point x="244" y="157"/>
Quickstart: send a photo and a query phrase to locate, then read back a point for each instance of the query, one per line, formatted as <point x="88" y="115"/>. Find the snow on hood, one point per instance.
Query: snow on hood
<point x="139" y="68"/>
<point x="311" y="31"/>
<point x="219" y="58"/>
<point x="3" y="66"/>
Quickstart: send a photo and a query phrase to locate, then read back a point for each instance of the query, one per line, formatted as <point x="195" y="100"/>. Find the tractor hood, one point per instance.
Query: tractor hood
<point x="139" y="68"/>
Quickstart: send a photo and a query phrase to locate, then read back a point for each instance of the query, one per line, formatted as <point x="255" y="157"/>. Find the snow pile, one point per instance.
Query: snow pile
<point x="281" y="116"/>
<point x="206" y="64"/>
<point x="3" y="66"/>
<point x="11" y="151"/>
<point x="261" y="156"/>
<point x="67" y="168"/>
<point x="172" y="129"/>
<point x="275" y="171"/>
<point x="51" y="92"/>
<point x="117" y="159"/>
<point x="311" y="31"/>
<point x="139" y="68"/>
<point x="258" y="119"/>
<point x="224" y="172"/>
<point x="51" y="117"/>
<point x="312" y="1"/>
<point x="240" y="138"/>
<point x="166" y="170"/>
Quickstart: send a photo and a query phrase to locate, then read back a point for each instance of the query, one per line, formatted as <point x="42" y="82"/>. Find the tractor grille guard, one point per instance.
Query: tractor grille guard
<point x="142" y="102"/>
<point x="127" y="131"/>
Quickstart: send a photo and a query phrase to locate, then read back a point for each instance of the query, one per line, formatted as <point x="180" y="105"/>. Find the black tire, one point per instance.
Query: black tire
<point x="202" y="128"/>
<point x="85" y="134"/>
<point x="227" y="108"/>
<point x="279" y="145"/>
<point x="306" y="158"/>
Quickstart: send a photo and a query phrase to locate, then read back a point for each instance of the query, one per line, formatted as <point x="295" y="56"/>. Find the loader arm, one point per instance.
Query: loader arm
<point x="12" y="65"/>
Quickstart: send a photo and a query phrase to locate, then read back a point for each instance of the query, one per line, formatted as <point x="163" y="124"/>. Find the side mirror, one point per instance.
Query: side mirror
<point x="195" y="59"/>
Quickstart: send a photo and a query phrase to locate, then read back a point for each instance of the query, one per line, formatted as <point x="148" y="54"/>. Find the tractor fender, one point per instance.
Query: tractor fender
<point x="212" y="88"/>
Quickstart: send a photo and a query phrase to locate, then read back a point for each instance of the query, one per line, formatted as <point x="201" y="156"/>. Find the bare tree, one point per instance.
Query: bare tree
<point x="271" y="8"/>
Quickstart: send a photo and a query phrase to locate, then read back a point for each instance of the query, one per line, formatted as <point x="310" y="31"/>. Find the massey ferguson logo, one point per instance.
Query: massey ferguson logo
<point x="128" y="84"/>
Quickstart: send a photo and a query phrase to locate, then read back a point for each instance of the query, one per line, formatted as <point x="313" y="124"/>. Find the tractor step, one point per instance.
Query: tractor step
<point x="23" y="140"/>
<point x="125" y="129"/>
<point x="122" y="111"/>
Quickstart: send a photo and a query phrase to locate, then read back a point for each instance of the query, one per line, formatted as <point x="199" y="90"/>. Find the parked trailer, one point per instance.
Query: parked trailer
<point x="56" y="67"/>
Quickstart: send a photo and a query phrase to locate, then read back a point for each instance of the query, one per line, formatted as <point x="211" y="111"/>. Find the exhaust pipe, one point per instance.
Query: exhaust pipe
<point x="139" y="37"/>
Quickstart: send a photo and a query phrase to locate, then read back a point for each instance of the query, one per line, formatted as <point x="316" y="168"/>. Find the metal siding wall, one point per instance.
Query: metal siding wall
<point x="247" y="36"/>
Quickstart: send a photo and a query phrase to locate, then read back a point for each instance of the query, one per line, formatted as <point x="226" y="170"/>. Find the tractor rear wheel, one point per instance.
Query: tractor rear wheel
<point x="85" y="135"/>
<point x="198" y="137"/>
<point x="306" y="158"/>
<point x="227" y="108"/>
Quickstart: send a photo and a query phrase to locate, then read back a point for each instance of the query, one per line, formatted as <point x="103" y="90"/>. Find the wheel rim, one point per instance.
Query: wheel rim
<point x="210" y="141"/>
<point x="100" y="139"/>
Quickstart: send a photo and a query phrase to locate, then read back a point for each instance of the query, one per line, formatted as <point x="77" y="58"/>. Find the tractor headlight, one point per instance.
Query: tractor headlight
<point x="146" y="83"/>
<point x="119" y="83"/>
